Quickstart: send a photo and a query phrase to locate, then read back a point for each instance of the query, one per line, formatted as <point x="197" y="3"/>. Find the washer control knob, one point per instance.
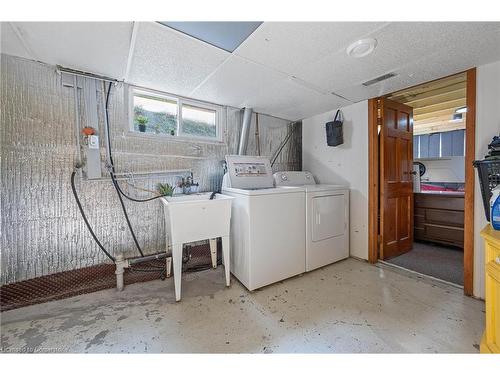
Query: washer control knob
<point x="284" y="177"/>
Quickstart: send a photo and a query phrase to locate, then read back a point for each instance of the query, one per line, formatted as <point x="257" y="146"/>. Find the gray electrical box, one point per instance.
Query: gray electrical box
<point x="86" y="112"/>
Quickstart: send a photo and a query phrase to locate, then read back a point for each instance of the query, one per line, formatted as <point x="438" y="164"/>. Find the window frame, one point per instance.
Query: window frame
<point x="179" y="134"/>
<point x="211" y="107"/>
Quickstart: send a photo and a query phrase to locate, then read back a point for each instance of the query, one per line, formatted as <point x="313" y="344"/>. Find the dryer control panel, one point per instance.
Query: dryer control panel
<point x="293" y="178"/>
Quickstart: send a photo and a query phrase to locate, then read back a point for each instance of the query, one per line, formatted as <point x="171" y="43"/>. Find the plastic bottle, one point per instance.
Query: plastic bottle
<point x="495" y="208"/>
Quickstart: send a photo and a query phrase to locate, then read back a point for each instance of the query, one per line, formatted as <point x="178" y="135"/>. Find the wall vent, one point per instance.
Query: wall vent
<point x="379" y="79"/>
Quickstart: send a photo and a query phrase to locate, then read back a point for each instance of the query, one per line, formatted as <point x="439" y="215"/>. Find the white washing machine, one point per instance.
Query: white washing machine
<point x="327" y="218"/>
<point x="267" y="223"/>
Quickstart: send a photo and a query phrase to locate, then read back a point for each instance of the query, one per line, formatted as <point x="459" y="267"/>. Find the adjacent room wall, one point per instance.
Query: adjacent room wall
<point x="41" y="229"/>
<point x="487" y="126"/>
<point x="346" y="164"/>
<point x="451" y="169"/>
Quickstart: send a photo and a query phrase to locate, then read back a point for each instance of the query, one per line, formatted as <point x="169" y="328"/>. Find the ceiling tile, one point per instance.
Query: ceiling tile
<point x="97" y="47"/>
<point x="167" y="60"/>
<point x="242" y="83"/>
<point x="288" y="46"/>
<point x="11" y="44"/>
<point x="399" y="45"/>
<point x="476" y="44"/>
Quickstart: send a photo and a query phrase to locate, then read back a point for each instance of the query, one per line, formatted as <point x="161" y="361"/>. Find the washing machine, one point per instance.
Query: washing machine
<point x="327" y="218"/>
<point x="267" y="223"/>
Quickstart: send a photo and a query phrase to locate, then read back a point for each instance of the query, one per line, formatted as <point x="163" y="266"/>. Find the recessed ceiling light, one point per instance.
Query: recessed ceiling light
<point x="361" y="48"/>
<point x="461" y="110"/>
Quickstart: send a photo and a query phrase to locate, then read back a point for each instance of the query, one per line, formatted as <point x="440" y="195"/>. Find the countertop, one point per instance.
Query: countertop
<point x="443" y="193"/>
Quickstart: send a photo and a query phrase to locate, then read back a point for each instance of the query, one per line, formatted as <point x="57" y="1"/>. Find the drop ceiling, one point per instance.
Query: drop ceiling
<point x="291" y="70"/>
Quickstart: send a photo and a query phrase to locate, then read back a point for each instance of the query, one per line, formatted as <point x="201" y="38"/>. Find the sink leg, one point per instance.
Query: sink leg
<point x="225" y="257"/>
<point x="213" y="251"/>
<point x="169" y="267"/>
<point x="177" y="260"/>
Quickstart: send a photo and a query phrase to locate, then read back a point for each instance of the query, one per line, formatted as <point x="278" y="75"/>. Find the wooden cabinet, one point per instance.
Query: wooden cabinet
<point x="490" y="343"/>
<point x="439" y="218"/>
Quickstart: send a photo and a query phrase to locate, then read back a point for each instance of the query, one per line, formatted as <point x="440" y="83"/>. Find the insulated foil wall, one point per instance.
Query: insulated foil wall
<point x="41" y="229"/>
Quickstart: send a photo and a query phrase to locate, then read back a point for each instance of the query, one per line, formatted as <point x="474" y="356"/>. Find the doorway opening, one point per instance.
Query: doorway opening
<point x="421" y="178"/>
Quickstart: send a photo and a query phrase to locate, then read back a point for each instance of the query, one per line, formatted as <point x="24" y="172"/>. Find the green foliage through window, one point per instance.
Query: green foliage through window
<point x="158" y="115"/>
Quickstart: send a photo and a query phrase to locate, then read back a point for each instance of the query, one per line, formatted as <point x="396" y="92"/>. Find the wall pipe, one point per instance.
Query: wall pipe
<point x="147" y="258"/>
<point x="78" y="162"/>
<point x="245" y="130"/>
<point x="257" y="135"/>
<point x="285" y="141"/>
<point x="106" y="127"/>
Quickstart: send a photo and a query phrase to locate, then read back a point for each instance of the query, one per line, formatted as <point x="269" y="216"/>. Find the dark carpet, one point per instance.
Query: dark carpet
<point x="445" y="263"/>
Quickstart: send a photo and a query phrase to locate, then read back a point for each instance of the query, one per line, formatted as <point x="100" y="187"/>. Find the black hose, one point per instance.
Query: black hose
<point x="73" y="188"/>
<point x="121" y="193"/>
<point x="112" y="173"/>
<point x="115" y="184"/>
<point x="128" y="220"/>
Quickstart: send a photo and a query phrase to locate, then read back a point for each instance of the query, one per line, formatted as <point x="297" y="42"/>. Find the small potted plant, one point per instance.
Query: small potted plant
<point x="142" y="121"/>
<point x="165" y="189"/>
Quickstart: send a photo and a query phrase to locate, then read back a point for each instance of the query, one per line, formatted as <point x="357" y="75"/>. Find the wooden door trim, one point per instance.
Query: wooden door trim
<point x="373" y="190"/>
<point x="373" y="180"/>
<point x="470" y="154"/>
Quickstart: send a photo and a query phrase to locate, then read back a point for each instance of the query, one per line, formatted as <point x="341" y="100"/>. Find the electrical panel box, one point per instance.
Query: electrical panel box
<point x="86" y="117"/>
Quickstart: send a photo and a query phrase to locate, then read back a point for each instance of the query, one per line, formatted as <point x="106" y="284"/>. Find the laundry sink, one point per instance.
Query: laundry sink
<point x="195" y="217"/>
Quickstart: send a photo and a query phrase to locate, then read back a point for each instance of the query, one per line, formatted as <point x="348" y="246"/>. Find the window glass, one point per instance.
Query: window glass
<point x="154" y="114"/>
<point x="198" y="122"/>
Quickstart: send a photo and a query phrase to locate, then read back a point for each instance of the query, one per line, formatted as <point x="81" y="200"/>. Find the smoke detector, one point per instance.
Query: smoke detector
<point x="361" y="48"/>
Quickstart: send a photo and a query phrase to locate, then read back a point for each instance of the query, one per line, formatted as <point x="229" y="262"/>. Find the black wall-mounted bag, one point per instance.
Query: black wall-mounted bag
<point x="334" y="131"/>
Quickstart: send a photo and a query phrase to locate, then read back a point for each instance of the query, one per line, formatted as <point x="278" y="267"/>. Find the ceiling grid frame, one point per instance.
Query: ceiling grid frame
<point x="334" y="79"/>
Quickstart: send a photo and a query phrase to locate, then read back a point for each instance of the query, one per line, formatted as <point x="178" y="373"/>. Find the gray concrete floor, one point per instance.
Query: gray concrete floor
<point x="349" y="306"/>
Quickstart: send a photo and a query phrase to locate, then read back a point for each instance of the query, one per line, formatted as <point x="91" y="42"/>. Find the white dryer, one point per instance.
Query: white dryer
<point x="327" y="218"/>
<point x="267" y="223"/>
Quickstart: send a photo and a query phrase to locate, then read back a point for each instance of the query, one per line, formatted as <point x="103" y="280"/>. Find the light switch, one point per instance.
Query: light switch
<point x="94" y="141"/>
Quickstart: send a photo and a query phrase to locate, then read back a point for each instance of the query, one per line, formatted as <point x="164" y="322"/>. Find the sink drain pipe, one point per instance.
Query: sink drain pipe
<point x="122" y="263"/>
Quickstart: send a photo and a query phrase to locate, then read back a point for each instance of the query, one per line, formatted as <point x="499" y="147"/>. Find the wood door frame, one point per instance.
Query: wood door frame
<point x="373" y="179"/>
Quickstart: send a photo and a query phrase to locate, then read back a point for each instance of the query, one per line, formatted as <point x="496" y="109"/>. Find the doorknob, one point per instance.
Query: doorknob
<point x="413" y="173"/>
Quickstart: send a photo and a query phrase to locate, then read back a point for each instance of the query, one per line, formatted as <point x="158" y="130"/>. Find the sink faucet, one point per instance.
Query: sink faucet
<point x="187" y="184"/>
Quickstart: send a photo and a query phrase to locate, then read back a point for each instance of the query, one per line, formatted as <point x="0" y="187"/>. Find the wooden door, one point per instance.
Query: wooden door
<point x="396" y="182"/>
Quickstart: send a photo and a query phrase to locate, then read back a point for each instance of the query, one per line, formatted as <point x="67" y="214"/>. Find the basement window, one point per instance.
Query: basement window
<point x="157" y="114"/>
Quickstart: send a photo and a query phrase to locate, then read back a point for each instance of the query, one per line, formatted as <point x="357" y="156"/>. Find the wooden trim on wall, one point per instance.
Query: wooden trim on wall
<point x="373" y="191"/>
<point x="470" y="154"/>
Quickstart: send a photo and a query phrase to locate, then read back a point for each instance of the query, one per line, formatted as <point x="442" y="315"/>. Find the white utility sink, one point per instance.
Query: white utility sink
<point x="195" y="217"/>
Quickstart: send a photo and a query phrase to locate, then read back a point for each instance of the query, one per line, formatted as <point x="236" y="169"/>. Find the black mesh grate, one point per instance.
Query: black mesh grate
<point x="91" y="279"/>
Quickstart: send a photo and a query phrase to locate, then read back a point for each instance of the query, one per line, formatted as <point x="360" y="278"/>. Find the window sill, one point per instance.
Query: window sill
<point x="173" y="138"/>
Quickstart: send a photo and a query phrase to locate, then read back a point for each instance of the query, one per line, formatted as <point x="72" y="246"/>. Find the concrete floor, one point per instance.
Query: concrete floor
<point x="349" y="306"/>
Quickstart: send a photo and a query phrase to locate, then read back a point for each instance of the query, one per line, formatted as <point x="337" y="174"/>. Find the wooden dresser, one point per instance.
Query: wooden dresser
<point x="439" y="217"/>
<point x="490" y="343"/>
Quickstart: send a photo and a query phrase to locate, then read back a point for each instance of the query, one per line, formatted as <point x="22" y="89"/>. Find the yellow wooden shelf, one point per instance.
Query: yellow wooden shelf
<point x="490" y="343"/>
